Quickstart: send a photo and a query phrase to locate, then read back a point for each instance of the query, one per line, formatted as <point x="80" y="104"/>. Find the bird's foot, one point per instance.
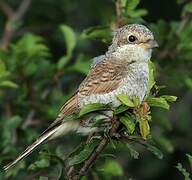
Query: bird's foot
<point x="92" y="138"/>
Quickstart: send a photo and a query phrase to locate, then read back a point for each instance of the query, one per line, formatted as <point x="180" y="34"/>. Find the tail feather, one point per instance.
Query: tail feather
<point x="52" y="133"/>
<point x="29" y="149"/>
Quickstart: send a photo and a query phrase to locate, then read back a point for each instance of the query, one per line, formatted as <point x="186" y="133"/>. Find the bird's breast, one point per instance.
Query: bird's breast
<point x="133" y="84"/>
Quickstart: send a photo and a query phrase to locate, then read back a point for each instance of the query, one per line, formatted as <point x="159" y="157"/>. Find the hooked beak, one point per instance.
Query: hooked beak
<point x="151" y="44"/>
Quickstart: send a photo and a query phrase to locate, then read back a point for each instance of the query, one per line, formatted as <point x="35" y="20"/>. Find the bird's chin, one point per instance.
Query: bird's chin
<point x="133" y="53"/>
<point x="149" y="51"/>
<point x="143" y="54"/>
<point x="148" y="54"/>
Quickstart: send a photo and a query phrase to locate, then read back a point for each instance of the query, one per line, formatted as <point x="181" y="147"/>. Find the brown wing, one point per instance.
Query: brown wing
<point x="70" y="107"/>
<point x="103" y="78"/>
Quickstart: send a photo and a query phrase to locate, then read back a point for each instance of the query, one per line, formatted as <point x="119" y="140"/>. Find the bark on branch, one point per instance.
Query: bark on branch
<point x="119" y="13"/>
<point x="94" y="156"/>
<point x="12" y="17"/>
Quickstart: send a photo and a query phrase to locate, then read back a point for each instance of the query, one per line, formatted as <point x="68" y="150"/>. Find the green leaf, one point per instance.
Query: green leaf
<point x="70" y="41"/>
<point x="92" y="108"/>
<point x="43" y="163"/>
<point x="164" y="143"/>
<point x="138" y="13"/>
<point x="190" y="159"/>
<point x="77" y="150"/>
<point x="4" y="74"/>
<point x="2" y="66"/>
<point x="125" y="100"/>
<point x="81" y="65"/>
<point x="9" y="125"/>
<point x="71" y="117"/>
<point x="188" y="82"/>
<point x="183" y="171"/>
<point x="2" y="172"/>
<point x="158" y="102"/>
<point x="97" y="32"/>
<point x="112" y="167"/>
<point x="13" y="122"/>
<point x="144" y="128"/>
<point x="9" y="84"/>
<point x="121" y="109"/>
<point x="83" y="155"/>
<point x="151" y="81"/>
<point x="153" y="149"/>
<point x="169" y="98"/>
<point x="83" y="178"/>
<point x="63" y="61"/>
<point x="129" y="123"/>
<point x="133" y="152"/>
<point x="30" y="47"/>
<point x="69" y="37"/>
<point x="187" y="8"/>
<point x="43" y="178"/>
<point x="131" y="4"/>
<point x="135" y="100"/>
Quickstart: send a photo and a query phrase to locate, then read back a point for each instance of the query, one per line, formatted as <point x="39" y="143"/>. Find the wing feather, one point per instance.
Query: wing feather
<point x="103" y="78"/>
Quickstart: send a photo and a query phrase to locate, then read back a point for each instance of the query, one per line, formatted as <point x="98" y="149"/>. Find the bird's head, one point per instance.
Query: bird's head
<point x="134" y="42"/>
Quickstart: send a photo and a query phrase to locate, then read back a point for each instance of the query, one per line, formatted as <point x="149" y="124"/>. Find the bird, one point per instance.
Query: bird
<point x="122" y="69"/>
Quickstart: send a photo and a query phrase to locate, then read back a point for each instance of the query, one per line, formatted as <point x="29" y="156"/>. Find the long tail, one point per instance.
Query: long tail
<point x="50" y="133"/>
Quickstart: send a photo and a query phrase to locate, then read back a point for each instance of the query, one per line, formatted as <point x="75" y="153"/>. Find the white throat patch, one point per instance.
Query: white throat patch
<point x="133" y="52"/>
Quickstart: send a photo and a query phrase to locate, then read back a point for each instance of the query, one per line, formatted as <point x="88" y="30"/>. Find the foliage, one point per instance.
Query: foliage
<point x="183" y="170"/>
<point x="49" y="54"/>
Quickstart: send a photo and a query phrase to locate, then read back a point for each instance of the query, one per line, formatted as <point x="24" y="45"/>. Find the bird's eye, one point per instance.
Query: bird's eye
<point x="132" y="38"/>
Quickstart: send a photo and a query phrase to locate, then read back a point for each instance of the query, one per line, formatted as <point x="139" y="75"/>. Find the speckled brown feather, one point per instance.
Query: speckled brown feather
<point x="70" y="107"/>
<point x="103" y="78"/>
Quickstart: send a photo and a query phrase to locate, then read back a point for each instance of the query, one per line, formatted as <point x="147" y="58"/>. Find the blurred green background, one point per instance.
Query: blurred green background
<point x="46" y="51"/>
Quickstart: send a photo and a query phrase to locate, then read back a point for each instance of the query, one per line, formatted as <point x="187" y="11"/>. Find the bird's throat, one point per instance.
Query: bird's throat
<point x="131" y="53"/>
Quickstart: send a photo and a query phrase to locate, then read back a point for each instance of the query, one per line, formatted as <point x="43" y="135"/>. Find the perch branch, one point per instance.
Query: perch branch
<point x="91" y="160"/>
<point x="99" y="149"/>
<point x="88" y="163"/>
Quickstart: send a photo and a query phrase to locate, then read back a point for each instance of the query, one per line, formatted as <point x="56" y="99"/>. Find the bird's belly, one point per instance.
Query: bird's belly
<point x="129" y="86"/>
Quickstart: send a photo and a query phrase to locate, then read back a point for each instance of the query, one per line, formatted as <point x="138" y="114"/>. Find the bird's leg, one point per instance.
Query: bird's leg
<point x="103" y="143"/>
<point x="70" y="172"/>
<point x="91" y="137"/>
<point x="108" y="114"/>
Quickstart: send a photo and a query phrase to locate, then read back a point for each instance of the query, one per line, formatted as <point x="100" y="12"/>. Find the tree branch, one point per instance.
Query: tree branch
<point x="88" y="163"/>
<point x="12" y="18"/>
<point x="119" y="13"/>
<point x="94" y="156"/>
<point x="22" y="9"/>
<point x="7" y="10"/>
